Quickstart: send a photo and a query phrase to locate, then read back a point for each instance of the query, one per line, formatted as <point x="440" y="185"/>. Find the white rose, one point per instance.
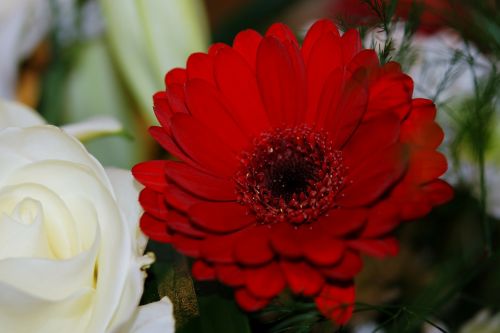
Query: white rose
<point x="71" y="251"/>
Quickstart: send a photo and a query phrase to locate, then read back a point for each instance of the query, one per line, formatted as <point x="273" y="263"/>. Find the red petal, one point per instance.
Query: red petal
<point x="317" y="30"/>
<point x="340" y="222"/>
<point x="330" y="96"/>
<point x="426" y="135"/>
<point x="167" y="143"/>
<point x="417" y="201"/>
<point x="176" y="76"/>
<point x="185" y="245"/>
<point x="414" y="210"/>
<point x="162" y="109"/>
<point x="321" y="249"/>
<point x="425" y="108"/>
<point x="246" y="44"/>
<point x="201" y="66"/>
<point x="371" y="137"/>
<point x="248" y="302"/>
<point x="219" y="249"/>
<point x="282" y="32"/>
<point x="180" y="224"/>
<point x="300" y="79"/>
<point x="419" y="129"/>
<point x="438" y="192"/>
<point x="325" y="57"/>
<point x="301" y="278"/>
<point x="280" y="86"/>
<point x="368" y="181"/>
<point x="345" y="119"/>
<point x="151" y="174"/>
<point x="214" y="49"/>
<point x="238" y="84"/>
<point x="175" y="97"/>
<point x="254" y="248"/>
<point x="351" y="44"/>
<point x="153" y="203"/>
<point x="383" y="218"/>
<point x="426" y="165"/>
<point x="230" y="275"/>
<point x="284" y="240"/>
<point x="203" y="145"/>
<point x="376" y="247"/>
<point x="365" y="58"/>
<point x="199" y="182"/>
<point x="391" y="67"/>
<point x="202" y="271"/>
<point x="266" y="281"/>
<point x="337" y="302"/>
<point x="392" y="92"/>
<point x="220" y="217"/>
<point x="298" y="71"/>
<point x="350" y="265"/>
<point x="179" y="199"/>
<point x="207" y="106"/>
<point x="155" y="229"/>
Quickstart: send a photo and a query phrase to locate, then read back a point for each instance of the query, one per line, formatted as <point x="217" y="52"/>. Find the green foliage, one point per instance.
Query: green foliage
<point x="385" y="13"/>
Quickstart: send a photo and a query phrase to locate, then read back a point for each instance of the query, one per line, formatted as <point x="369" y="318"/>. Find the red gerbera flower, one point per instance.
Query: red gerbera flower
<point x="292" y="162"/>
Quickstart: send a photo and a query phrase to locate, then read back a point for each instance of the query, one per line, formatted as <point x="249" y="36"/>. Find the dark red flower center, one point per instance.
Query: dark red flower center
<point x="291" y="175"/>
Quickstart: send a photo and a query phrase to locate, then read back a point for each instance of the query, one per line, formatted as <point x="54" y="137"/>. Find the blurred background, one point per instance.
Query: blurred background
<point x="75" y="59"/>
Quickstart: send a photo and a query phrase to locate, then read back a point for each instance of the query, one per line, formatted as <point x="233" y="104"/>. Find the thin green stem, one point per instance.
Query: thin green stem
<point x="482" y="202"/>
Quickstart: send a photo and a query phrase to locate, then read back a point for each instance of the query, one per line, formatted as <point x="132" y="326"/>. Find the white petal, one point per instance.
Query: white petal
<point x="20" y="238"/>
<point x="127" y="196"/>
<point x="60" y="163"/>
<point x="127" y="191"/>
<point x="59" y="225"/>
<point x="47" y="143"/>
<point x="24" y="313"/>
<point x="129" y="301"/>
<point x="46" y="165"/>
<point x="77" y="184"/>
<point x="13" y="114"/>
<point x="93" y="128"/>
<point x="155" y="317"/>
<point x="51" y="280"/>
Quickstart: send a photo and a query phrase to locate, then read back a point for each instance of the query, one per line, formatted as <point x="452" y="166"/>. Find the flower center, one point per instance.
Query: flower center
<point x="291" y="175"/>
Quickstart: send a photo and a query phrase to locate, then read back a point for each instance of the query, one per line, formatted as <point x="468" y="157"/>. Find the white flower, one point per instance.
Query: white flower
<point x="71" y="252"/>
